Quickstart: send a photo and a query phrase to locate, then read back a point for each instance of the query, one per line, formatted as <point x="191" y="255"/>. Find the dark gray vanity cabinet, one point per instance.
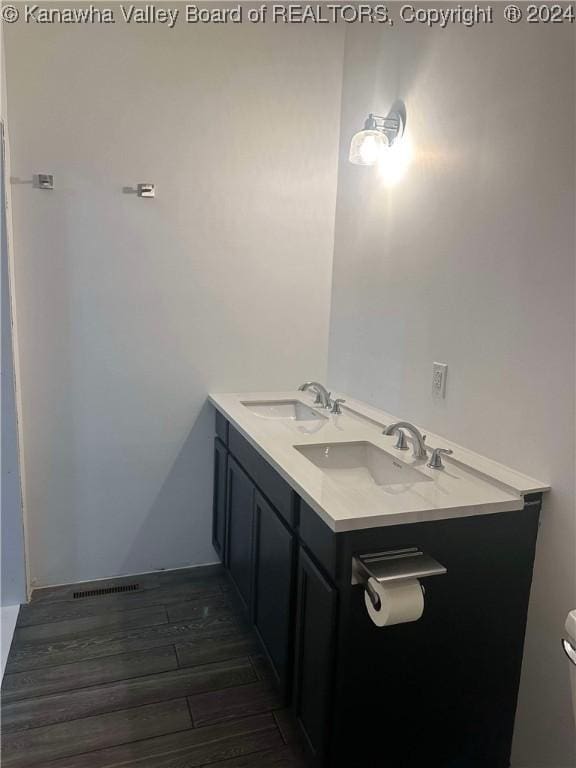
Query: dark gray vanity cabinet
<point x="314" y="654"/>
<point x="274" y="553"/>
<point x="439" y="692"/>
<point x="219" y="499"/>
<point x="257" y="545"/>
<point x="240" y="530"/>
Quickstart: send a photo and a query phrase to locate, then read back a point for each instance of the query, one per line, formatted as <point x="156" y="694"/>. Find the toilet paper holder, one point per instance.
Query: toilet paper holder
<point x="395" y="565"/>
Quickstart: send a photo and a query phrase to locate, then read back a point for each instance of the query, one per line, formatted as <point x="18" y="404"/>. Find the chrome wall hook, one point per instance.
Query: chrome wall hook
<point x="44" y="181"/>
<point x="146" y="190"/>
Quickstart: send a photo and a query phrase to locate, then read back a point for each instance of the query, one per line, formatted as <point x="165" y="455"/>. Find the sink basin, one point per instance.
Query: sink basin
<point x="292" y="410"/>
<point x="360" y="464"/>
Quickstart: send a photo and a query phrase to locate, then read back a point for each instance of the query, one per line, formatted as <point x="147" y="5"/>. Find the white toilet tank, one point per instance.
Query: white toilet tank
<point x="570" y="648"/>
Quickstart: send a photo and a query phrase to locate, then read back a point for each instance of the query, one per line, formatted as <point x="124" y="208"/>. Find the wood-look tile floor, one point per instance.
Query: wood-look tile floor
<point x="167" y="676"/>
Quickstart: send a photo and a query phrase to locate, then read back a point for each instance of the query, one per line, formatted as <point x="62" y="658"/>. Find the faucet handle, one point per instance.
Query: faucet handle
<point x="336" y="405"/>
<point x="436" y="458"/>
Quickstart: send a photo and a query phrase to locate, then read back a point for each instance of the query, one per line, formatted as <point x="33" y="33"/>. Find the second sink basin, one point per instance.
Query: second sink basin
<point x="360" y="463"/>
<point x="284" y="409"/>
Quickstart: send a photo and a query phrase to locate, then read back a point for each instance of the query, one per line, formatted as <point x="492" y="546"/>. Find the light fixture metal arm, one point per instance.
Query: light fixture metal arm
<point x="391" y="125"/>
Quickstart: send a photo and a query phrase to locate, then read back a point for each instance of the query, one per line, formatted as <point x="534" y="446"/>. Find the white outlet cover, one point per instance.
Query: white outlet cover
<point x="439" y="375"/>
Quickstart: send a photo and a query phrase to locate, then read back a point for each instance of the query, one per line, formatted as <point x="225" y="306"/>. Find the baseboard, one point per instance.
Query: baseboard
<point x="129" y="575"/>
<point x="8" y="618"/>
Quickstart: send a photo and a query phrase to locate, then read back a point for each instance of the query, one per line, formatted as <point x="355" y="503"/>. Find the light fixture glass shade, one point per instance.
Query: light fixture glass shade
<point x="367" y="147"/>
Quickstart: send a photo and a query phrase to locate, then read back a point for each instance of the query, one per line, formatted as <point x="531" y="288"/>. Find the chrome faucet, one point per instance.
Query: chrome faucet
<point x="322" y="394"/>
<point x="418" y="446"/>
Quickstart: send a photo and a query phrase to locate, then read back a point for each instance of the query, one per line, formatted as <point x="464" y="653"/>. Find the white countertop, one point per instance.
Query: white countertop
<point x="469" y="485"/>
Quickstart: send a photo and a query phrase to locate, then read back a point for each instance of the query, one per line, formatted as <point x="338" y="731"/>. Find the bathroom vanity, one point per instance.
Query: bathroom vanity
<point x="301" y="497"/>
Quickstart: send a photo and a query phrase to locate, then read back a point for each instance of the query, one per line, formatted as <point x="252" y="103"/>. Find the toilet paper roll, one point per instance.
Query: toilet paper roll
<point x="400" y="602"/>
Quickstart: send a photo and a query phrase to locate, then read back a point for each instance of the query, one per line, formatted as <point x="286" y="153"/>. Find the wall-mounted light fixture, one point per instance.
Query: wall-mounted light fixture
<point x="369" y="145"/>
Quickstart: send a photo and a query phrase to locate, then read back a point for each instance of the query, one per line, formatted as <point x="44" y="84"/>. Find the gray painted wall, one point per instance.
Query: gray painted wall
<point x="130" y="311"/>
<point x="13" y="568"/>
<point x="469" y="260"/>
<point x="13" y="578"/>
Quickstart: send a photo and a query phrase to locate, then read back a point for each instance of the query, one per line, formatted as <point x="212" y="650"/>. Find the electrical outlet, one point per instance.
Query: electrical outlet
<point x="439" y="373"/>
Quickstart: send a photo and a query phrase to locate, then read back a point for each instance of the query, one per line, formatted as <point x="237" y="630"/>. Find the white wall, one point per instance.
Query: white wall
<point x="130" y="311"/>
<point x="12" y="548"/>
<point x="13" y="571"/>
<point x="469" y="260"/>
<point x="12" y="559"/>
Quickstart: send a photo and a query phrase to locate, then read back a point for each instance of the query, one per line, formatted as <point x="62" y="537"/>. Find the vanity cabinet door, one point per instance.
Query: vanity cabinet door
<point x="219" y="501"/>
<point x="273" y="582"/>
<point x="315" y="643"/>
<point x="240" y="530"/>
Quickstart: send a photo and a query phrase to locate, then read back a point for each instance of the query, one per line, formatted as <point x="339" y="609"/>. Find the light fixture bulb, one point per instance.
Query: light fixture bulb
<point x="393" y="164"/>
<point x="367" y="147"/>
